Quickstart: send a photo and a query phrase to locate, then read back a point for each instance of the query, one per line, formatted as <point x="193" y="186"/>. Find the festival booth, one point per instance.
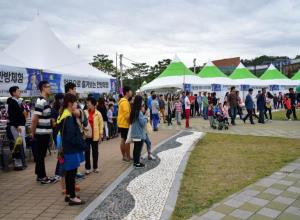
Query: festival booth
<point x="37" y="54"/>
<point x="245" y="79"/>
<point x="276" y="81"/>
<point x="296" y="78"/>
<point x="175" y="77"/>
<point x="216" y="79"/>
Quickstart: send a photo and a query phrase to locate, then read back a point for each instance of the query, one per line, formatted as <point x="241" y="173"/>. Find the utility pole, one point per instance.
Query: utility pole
<point x="121" y="71"/>
<point x="194" y="61"/>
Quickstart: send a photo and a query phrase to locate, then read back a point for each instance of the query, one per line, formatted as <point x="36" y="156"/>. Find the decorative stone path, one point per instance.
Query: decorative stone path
<point x="143" y="193"/>
<point x="273" y="197"/>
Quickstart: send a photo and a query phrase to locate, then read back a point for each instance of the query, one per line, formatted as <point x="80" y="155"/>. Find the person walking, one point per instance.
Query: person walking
<point x="261" y="103"/>
<point x="187" y="104"/>
<point x="95" y="135"/>
<point x="178" y="110"/>
<point x="73" y="145"/>
<point x="138" y="123"/>
<point x="103" y="110"/>
<point x="162" y="107"/>
<point x="205" y="106"/>
<point x="155" y="112"/>
<point x="268" y="108"/>
<point x="200" y="103"/>
<point x="16" y="123"/>
<point x="233" y="104"/>
<point x="292" y="96"/>
<point x="170" y="109"/>
<point x="123" y="121"/>
<point x="275" y="101"/>
<point x="249" y="104"/>
<point x="280" y="100"/>
<point x="41" y="130"/>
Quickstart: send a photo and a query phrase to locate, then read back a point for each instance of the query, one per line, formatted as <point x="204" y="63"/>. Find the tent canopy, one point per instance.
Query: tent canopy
<point x="211" y="71"/>
<point x="176" y="68"/>
<point x="38" y="47"/>
<point x="296" y="76"/>
<point x="272" y="73"/>
<point x="241" y="72"/>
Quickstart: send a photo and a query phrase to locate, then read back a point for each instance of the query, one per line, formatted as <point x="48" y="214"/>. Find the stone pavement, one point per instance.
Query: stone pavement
<point x="273" y="197"/>
<point x="21" y="197"/>
<point x="286" y="129"/>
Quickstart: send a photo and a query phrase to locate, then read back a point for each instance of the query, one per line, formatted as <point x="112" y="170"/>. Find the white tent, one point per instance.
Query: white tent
<point x="273" y="76"/>
<point x="38" y="47"/>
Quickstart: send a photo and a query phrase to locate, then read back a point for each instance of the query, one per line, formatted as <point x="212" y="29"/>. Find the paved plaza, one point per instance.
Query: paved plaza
<point x="21" y="197"/>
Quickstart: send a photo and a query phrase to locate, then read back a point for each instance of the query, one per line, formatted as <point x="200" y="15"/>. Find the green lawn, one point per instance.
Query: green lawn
<point x="222" y="164"/>
<point x="280" y="115"/>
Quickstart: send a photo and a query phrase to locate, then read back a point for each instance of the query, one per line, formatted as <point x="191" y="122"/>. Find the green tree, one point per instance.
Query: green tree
<point x="103" y="63"/>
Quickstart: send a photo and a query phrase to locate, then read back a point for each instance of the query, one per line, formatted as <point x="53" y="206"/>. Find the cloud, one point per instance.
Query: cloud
<point x="147" y="31"/>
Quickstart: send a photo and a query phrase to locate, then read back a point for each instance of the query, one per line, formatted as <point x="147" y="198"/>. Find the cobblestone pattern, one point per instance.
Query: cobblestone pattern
<point x="120" y="202"/>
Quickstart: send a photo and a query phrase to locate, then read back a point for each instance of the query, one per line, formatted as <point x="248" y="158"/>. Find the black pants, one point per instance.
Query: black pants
<point x="138" y="145"/>
<point x="110" y="129"/>
<point x="250" y="115"/>
<point x="294" y="112"/>
<point x="70" y="182"/>
<point x="94" y="144"/>
<point x="270" y="113"/>
<point x="169" y="118"/>
<point x="261" y="118"/>
<point x="288" y="113"/>
<point x="42" y="144"/>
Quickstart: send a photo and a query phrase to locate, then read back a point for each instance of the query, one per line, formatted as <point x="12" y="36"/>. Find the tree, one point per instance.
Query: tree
<point x="103" y="63"/>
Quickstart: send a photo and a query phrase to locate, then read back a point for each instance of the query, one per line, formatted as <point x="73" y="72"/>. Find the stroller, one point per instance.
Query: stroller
<point x="220" y="121"/>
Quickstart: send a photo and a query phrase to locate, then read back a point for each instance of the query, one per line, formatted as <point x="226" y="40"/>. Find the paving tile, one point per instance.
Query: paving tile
<point x="212" y="215"/>
<point x="242" y="214"/>
<point x="293" y="210"/>
<point x="287" y="216"/>
<point x="295" y="175"/>
<point x="224" y="209"/>
<point x="284" y="200"/>
<point x="285" y="182"/>
<point x="279" y="186"/>
<point x="242" y="197"/>
<point x="266" y="182"/>
<point x="250" y="207"/>
<point x="228" y="217"/>
<point x="290" y="178"/>
<point x="294" y="189"/>
<point x="290" y="194"/>
<point x="258" y="201"/>
<point x="250" y="192"/>
<point x="259" y="217"/>
<point x="272" y="213"/>
<point x="234" y="203"/>
<point x="297" y="203"/>
<point x="288" y="168"/>
<point x="257" y="188"/>
<point x="266" y="196"/>
<point x="273" y="191"/>
<point x="277" y="206"/>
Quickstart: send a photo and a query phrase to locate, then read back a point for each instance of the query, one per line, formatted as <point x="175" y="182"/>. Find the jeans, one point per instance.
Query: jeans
<point x="187" y="118"/>
<point x="155" y="120"/>
<point x="233" y="111"/>
<point x="70" y="182"/>
<point x="200" y="109"/>
<point x="205" y="112"/>
<point x="42" y="142"/>
<point x="95" y="153"/>
<point x="250" y="115"/>
<point x="270" y="113"/>
<point x="110" y="129"/>
<point x="169" y="118"/>
<point x="148" y="144"/>
<point x="261" y="118"/>
<point x="137" y="149"/>
<point x="178" y="117"/>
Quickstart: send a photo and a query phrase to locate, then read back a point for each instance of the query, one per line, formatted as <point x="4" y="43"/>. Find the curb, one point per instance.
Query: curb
<point x="97" y="201"/>
<point x="173" y="194"/>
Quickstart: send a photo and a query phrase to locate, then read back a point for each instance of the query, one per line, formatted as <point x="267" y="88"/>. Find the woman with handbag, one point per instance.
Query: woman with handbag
<point x="72" y="147"/>
<point x="93" y="134"/>
<point x="138" y="123"/>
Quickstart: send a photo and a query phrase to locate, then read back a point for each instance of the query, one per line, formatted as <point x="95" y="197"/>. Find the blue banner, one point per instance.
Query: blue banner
<point x="274" y="87"/>
<point x="54" y="81"/>
<point x="245" y="87"/>
<point x="216" y="87"/>
<point x="187" y="87"/>
<point x="113" y="85"/>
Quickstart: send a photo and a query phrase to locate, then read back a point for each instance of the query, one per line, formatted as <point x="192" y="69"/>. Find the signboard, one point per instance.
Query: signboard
<point x="274" y="88"/>
<point x="216" y="87"/>
<point x="113" y="85"/>
<point x="187" y="87"/>
<point x="54" y="81"/>
<point x="245" y="87"/>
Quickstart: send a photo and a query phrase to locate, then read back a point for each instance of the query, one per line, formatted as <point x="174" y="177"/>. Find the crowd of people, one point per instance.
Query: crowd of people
<point x="77" y="127"/>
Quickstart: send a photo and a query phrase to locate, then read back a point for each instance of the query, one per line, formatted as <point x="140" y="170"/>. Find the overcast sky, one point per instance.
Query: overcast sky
<point x="150" y="30"/>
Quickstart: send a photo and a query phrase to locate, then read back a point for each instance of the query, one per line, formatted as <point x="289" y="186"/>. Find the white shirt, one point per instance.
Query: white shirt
<point x="187" y="103"/>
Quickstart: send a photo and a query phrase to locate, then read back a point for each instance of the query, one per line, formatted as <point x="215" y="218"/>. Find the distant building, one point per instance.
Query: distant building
<point x="227" y="65"/>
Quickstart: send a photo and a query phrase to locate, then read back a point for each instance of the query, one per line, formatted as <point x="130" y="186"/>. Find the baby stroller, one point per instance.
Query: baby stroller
<point x="222" y="121"/>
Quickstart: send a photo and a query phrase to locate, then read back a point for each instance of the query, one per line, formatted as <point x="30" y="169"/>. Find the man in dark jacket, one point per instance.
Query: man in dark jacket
<point x="249" y="104"/>
<point x="17" y="121"/>
<point x="261" y="103"/>
<point x="292" y="96"/>
<point x="233" y="104"/>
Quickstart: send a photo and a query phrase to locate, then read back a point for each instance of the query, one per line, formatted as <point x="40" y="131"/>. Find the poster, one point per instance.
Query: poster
<point x="216" y="87"/>
<point x="245" y="87"/>
<point x="34" y="78"/>
<point x="187" y="87"/>
<point x="113" y="85"/>
<point x="274" y="88"/>
<point x="54" y="81"/>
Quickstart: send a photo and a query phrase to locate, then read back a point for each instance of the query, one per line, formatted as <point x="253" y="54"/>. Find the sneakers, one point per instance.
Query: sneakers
<point x="96" y="170"/>
<point x="151" y="157"/>
<point x="87" y="172"/>
<point x="79" y="175"/>
<point x="47" y="180"/>
<point x="139" y="165"/>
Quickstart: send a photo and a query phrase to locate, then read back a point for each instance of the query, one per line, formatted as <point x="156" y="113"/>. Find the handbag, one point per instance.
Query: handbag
<point x="129" y="139"/>
<point x="87" y="130"/>
<point x="149" y="128"/>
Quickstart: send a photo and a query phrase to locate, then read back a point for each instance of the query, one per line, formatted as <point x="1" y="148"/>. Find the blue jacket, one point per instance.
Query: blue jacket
<point x="261" y="102"/>
<point x="138" y="127"/>
<point x="249" y="102"/>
